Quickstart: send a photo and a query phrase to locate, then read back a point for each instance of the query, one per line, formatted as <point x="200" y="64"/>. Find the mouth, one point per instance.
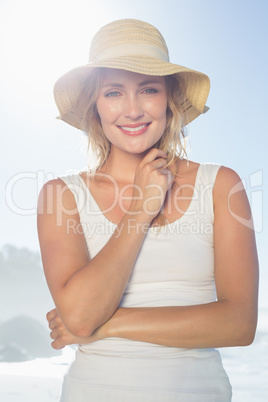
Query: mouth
<point x="134" y="129"/>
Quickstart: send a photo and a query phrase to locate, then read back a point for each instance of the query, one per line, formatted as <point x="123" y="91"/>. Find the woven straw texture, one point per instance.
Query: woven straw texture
<point x="134" y="46"/>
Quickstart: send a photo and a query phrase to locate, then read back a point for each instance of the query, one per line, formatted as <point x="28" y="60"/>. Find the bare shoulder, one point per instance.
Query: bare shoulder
<point x="54" y="185"/>
<point x="226" y="179"/>
<point x="227" y="184"/>
<point x="54" y="195"/>
<point x="230" y="197"/>
<point x="62" y="242"/>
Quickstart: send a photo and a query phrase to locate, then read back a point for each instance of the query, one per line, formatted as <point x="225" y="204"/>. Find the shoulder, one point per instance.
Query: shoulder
<point x="205" y="172"/>
<point x="61" y="184"/>
<point x="55" y="184"/>
<point x="187" y="168"/>
<point x="227" y="180"/>
<point x="230" y="197"/>
<point x="223" y="174"/>
<point x="54" y="195"/>
<point x="223" y="178"/>
<point x="53" y="187"/>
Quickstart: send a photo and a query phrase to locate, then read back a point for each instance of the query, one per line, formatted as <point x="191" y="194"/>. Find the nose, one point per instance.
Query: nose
<point x="132" y="107"/>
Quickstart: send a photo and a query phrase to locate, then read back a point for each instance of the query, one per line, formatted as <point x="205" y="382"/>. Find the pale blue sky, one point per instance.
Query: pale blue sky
<point x="40" y="40"/>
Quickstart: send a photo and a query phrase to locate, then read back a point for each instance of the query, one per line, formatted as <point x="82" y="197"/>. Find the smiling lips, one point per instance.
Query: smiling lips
<point x="134" y="129"/>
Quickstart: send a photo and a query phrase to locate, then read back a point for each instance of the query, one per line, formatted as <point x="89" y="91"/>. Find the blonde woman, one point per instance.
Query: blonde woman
<point x="150" y="258"/>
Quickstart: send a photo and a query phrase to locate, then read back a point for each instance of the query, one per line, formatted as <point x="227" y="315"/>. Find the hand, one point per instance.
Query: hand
<point x="63" y="337"/>
<point x="152" y="181"/>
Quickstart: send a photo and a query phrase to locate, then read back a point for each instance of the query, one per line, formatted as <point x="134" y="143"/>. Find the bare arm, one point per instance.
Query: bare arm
<point x="229" y="321"/>
<point x="232" y="319"/>
<point x="87" y="291"/>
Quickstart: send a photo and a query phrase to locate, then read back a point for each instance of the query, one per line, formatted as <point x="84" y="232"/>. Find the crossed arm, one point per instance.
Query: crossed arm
<point x="229" y="321"/>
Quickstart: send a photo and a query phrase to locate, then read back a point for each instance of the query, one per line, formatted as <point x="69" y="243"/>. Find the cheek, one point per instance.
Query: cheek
<point x="164" y="106"/>
<point x="108" y="111"/>
<point x="158" y="109"/>
<point x="163" y="114"/>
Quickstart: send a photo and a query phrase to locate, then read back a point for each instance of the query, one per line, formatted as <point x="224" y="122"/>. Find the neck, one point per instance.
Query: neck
<point x="122" y="165"/>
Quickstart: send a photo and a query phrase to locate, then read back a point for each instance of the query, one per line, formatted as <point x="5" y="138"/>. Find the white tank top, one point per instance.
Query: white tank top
<point x="175" y="267"/>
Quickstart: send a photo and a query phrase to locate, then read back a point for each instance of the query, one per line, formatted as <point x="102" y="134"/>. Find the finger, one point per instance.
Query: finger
<point x="152" y="155"/>
<point x="166" y="172"/>
<point x="57" y="333"/>
<point x="51" y="314"/>
<point x="53" y="324"/>
<point x="54" y="334"/>
<point x="170" y="177"/>
<point x="158" y="163"/>
<point x="56" y="344"/>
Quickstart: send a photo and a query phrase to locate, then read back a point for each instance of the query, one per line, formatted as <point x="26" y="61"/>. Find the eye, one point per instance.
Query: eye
<point x="112" y="94"/>
<point x="150" y="91"/>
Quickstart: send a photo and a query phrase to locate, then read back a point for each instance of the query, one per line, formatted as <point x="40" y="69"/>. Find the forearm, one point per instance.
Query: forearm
<point x="216" y="324"/>
<point x="92" y="294"/>
<point x="87" y="291"/>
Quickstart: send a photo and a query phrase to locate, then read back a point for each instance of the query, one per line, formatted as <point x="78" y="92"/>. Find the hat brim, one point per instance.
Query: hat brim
<point x="68" y="88"/>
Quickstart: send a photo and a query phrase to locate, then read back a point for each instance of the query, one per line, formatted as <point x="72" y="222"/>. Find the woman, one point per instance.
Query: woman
<point x="148" y="258"/>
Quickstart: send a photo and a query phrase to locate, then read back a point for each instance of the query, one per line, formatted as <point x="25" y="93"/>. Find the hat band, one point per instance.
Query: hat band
<point x="132" y="49"/>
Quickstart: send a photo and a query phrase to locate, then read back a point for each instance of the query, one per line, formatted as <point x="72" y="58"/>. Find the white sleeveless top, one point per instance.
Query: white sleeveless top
<point x="175" y="267"/>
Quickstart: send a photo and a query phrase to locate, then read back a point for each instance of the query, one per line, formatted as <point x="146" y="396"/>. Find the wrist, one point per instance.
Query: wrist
<point x="138" y="225"/>
<point x="141" y="214"/>
<point x="112" y="329"/>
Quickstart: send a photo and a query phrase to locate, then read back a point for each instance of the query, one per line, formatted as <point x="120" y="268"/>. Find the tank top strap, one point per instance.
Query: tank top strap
<point x="208" y="173"/>
<point x="81" y="193"/>
<point x="204" y="185"/>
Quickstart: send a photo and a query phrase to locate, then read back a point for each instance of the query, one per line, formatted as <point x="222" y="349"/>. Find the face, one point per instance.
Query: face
<point x="132" y="109"/>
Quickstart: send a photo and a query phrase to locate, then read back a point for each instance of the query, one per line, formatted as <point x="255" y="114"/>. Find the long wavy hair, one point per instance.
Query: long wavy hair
<point x="172" y="142"/>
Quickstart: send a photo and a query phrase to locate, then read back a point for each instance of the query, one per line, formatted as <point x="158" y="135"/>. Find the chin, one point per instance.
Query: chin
<point x="140" y="148"/>
<point x="139" y="151"/>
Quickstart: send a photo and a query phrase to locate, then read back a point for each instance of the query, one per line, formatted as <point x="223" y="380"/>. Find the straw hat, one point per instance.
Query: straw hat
<point x="135" y="46"/>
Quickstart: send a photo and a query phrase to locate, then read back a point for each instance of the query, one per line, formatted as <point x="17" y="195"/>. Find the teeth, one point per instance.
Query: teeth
<point x="133" y="129"/>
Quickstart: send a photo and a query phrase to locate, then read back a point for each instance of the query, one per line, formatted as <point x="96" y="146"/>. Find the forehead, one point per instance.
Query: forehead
<point x="112" y="75"/>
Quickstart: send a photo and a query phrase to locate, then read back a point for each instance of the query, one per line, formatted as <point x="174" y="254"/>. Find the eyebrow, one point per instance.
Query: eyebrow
<point x="112" y="84"/>
<point x="150" y="81"/>
<point x="118" y="85"/>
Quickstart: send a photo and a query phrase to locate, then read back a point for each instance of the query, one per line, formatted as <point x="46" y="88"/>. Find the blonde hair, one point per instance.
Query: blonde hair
<point x="172" y="141"/>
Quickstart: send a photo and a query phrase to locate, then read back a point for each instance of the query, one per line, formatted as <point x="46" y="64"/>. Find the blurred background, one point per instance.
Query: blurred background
<point x="39" y="41"/>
